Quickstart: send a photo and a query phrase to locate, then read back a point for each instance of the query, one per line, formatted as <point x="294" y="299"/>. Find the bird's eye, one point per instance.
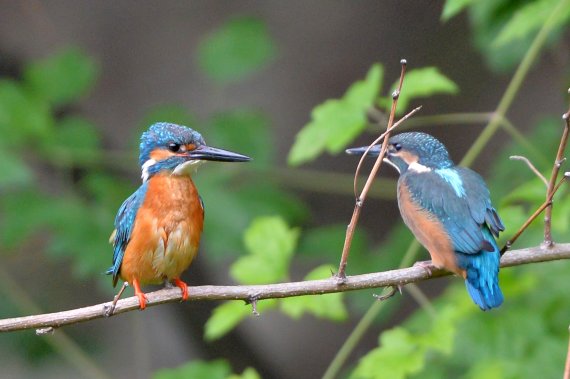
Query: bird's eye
<point x="174" y="147"/>
<point x="397" y="146"/>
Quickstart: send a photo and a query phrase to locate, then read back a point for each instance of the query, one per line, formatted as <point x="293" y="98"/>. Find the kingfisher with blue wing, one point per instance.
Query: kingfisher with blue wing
<point x="448" y="209"/>
<point x="158" y="228"/>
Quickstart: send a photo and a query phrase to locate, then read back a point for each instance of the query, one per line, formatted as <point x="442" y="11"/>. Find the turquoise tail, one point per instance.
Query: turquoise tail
<point x="482" y="280"/>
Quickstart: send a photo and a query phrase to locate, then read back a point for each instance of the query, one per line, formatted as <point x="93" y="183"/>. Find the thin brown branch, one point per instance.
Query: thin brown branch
<point x="393" y="278"/>
<point x="553" y="177"/>
<point x="341" y="275"/>
<point x="531" y="166"/>
<point x="536" y="213"/>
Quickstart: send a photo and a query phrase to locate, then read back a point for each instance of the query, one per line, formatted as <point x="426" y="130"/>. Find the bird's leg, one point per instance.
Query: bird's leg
<point x="109" y="311"/>
<point x="426" y="265"/>
<point x="183" y="286"/>
<point x="140" y="294"/>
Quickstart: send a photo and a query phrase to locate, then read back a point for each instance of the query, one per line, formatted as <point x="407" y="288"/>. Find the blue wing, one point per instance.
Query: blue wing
<point x="461" y="202"/>
<point x="124" y="222"/>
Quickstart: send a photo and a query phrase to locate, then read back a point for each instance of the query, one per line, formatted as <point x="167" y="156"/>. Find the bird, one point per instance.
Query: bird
<point x="449" y="211"/>
<point x="158" y="228"/>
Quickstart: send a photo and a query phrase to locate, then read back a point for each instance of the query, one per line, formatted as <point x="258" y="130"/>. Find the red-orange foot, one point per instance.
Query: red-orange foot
<point x="140" y="294"/>
<point x="183" y="286"/>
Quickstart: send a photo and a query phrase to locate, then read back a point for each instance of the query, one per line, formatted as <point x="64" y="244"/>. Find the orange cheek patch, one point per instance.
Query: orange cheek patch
<point x="161" y="154"/>
<point x="408" y="157"/>
<point x="190" y="147"/>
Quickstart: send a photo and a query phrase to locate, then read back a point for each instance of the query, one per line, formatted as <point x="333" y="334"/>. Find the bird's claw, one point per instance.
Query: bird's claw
<point x="391" y="292"/>
<point x="426" y="265"/>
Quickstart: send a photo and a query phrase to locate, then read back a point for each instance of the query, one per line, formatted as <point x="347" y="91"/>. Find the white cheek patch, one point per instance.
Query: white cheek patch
<point x="419" y="168"/>
<point x="188" y="167"/>
<point x="145" y="167"/>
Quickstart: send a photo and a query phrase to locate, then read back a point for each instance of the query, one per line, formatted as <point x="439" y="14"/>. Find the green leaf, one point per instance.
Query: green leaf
<point x="248" y="373"/>
<point x="418" y="83"/>
<point x="216" y="369"/>
<point x="453" y="8"/>
<point x="74" y="140"/>
<point x="244" y="131"/>
<point x="528" y="19"/>
<point x="397" y="358"/>
<point x="228" y="315"/>
<point x="61" y="78"/>
<point x="13" y="170"/>
<point x="329" y="306"/>
<point x="232" y="211"/>
<point x="22" y="117"/>
<point x="236" y="50"/>
<point x="336" y="122"/>
<point x="270" y="243"/>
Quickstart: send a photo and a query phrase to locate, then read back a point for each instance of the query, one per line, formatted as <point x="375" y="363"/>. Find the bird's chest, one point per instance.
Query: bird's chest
<point x="172" y="217"/>
<point x="426" y="227"/>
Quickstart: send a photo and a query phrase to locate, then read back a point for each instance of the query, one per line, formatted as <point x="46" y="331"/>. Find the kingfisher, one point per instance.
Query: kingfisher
<point x="157" y="228"/>
<point x="448" y="209"/>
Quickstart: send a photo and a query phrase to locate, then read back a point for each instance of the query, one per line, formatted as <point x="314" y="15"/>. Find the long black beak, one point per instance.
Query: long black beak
<point x="207" y="153"/>
<point x="373" y="152"/>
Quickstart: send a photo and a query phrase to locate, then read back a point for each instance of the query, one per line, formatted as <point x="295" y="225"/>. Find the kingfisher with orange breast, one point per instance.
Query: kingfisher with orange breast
<point x="448" y="209"/>
<point x="158" y="228"/>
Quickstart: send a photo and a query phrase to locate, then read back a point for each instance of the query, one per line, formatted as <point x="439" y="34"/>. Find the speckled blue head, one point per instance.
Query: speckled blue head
<point x="162" y="134"/>
<point x="422" y="150"/>
<point x="173" y="148"/>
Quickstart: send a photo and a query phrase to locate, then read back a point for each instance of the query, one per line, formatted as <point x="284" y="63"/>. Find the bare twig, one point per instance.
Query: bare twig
<point x="538" y="211"/>
<point x="531" y="166"/>
<point x="553" y="177"/>
<point x="393" y="278"/>
<point x="341" y="275"/>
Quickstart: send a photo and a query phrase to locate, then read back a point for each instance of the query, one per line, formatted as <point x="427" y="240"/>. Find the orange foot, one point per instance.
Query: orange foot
<point x="140" y="294"/>
<point x="183" y="286"/>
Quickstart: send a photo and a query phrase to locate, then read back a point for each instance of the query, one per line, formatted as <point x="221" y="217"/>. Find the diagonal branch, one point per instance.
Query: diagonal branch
<point x="393" y="278"/>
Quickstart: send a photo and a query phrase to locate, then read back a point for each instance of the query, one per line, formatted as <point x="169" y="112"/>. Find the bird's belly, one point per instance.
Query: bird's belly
<point x="166" y="232"/>
<point x="174" y="255"/>
<point x="429" y="231"/>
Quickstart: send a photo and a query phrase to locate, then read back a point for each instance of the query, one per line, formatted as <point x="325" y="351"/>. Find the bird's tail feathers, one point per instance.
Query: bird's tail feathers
<point x="482" y="279"/>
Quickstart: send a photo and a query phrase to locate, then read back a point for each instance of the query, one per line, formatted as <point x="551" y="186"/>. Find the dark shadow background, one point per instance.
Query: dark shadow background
<point x="146" y="52"/>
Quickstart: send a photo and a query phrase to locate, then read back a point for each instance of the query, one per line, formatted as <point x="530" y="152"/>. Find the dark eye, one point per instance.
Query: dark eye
<point x="174" y="147"/>
<point x="397" y="146"/>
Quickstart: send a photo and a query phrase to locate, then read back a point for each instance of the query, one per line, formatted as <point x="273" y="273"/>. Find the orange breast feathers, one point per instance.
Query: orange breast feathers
<point x="166" y="232"/>
<point x="429" y="231"/>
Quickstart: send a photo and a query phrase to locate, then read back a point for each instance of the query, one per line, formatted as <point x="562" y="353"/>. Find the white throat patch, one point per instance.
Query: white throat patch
<point x="419" y="168"/>
<point x="188" y="167"/>
<point x="145" y="174"/>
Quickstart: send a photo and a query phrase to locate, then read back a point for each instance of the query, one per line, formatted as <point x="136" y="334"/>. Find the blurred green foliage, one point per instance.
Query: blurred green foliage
<point x="216" y="369"/>
<point x="270" y="243"/>
<point x="235" y="50"/>
<point x="504" y="29"/>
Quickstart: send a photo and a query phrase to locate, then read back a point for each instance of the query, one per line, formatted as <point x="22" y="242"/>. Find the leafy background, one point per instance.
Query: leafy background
<point x="289" y="86"/>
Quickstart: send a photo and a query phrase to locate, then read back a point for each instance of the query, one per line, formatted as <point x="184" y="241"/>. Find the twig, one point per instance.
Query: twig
<point x="531" y="166"/>
<point x="539" y="210"/>
<point x="553" y="177"/>
<point x="391" y="278"/>
<point x="341" y="275"/>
